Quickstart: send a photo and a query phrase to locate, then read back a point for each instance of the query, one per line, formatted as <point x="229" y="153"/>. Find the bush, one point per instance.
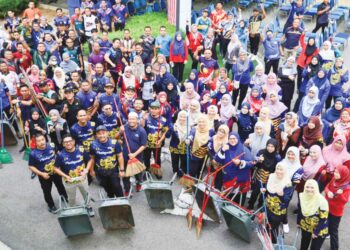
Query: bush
<point x="15" y="5"/>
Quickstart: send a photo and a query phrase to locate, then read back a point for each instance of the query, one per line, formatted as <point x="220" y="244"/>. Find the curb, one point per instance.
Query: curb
<point x="4" y="247"/>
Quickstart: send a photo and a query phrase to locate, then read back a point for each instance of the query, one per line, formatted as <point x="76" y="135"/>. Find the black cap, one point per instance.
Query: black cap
<point x="68" y="90"/>
<point x="100" y="128"/>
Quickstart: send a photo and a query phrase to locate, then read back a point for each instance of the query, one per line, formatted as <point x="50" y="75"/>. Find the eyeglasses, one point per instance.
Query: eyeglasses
<point x="70" y="141"/>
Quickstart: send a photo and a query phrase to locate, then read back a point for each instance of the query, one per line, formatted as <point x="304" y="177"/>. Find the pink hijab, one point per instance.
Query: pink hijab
<point x="274" y="87"/>
<point x="311" y="166"/>
<point x="276" y="108"/>
<point x="334" y="157"/>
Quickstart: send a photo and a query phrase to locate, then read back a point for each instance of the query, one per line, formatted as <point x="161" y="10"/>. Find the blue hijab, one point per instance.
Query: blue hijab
<point x="244" y="119"/>
<point x="178" y="46"/>
<point x="331" y="115"/>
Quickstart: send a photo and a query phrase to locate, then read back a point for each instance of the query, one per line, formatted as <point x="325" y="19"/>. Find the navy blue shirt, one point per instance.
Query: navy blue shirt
<point x="110" y="122"/>
<point x="109" y="99"/>
<point x="292" y="37"/>
<point x="72" y="163"/>
<point x="136" y="138"/>
<point x="323" y="18"/>
<point x="105" y="154"/>
<point x="272" y="49"/>
<point x="43" y="160"/>
<point x="83" y="135"/>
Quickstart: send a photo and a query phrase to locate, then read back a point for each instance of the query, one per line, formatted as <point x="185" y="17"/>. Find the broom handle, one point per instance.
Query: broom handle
<point x="121" y="123"/>
<point x="227" y="164"/>
<point x="187" y="146"/>
<point x="24" y="133"/>
<point x="158" y="131"/>
<point x="2" y="115"/>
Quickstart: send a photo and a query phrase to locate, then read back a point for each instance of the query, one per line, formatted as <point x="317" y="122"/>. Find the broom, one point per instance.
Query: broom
<point x="5" y="157"/>
<point x="27" y="150"/>
<point x="186" y="180"/>
<point x="155" y="167"/>
<point x="134" y="166"/>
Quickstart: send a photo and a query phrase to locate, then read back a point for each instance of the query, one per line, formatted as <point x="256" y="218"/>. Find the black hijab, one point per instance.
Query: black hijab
<point x="270" y="159"/>
<point x="310" y="49"/>
<point x="314" y="68"/>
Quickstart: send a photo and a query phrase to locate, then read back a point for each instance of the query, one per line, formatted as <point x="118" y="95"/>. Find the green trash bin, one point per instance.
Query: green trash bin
<point x="158" y="193"/>
<point x="74" y="220"/>
<point x="213" y="206"/>
<point x="116" y="213"/>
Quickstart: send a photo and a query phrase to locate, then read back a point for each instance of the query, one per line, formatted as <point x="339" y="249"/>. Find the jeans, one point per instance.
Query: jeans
<point x="71" y="189"/>
<point x="333" y="226"/>
<point x="306" y="238"/>
<point x="111" y="184"/>
<point x="46" y="186"/>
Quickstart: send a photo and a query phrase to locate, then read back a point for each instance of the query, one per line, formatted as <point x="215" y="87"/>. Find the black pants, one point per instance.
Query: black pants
<point x="119" y="26"/>
<point x="224" y="43"/>
<point x="218" y="181"/>
<point x="194" y="61"/>
<point x="306" y="238"/>
<point x="297" y="102"/>
<point x="178" y="71"/>
<point x="195" y="167"/>
<point x="255" y="194"/>
<point x="320" y="25"/>
<point x="333" y="226"/>
<point x="254" y="43"/>
<point x="147" y="154"/>
<point x="299" y="78"/>
<point x="287" y="87"/>
<point x="275" y="223"/>
<point x="272" y="63"/>
<point x="329" y="101"/>
<point x="126" y="180"/>
<point x="178" y="162"/>
<point x="46" y="186"/>
<point x="242" y="91"/>
<point x="228" y="67"/>
<point x="111" y="184"/>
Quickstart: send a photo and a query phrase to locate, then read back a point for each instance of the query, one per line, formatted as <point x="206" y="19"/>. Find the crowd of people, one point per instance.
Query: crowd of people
<point x="86" y="117"/>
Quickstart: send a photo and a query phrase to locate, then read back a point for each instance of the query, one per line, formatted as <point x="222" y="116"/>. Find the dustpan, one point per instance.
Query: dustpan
<point x="158" y="193"/>
<point x="116" y="213"/>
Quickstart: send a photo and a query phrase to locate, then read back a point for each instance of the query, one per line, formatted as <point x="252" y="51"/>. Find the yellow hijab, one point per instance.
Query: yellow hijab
<point x="201" y="136"/>
<point x="311" y="203"/>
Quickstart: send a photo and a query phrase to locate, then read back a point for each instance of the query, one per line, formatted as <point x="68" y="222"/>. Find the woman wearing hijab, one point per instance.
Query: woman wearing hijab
<point x="165" y="107"/>
<point x="342" y="125"/>
<point x="308" y="51"/>
<point x="310" y="71"/>
<point x="334" y="155"/>
<point x="257" y="140"/>
<point x="246" y="120"/>
<point x="138" y="68"/>
<point x="188" y="96"/>
<point x="330" y="116"/>
<point x="227" y="110"/>
<point x="214" y="117"/>
<point x="312" y="166"/>
<point x="197" y="84"/>
<point x="277" y="109"/>
<point x="241" y="69"/>
<point x="214" y="145"/>
<point x="178" y="55"/>
<point x="276" y="198"/>
<point x="57" y="127"/>
<point x="259" y="79"/>
<point x="237" y="174"/>
<point x="177" y="145"/>
<point x="147" y="86"/>
<point x="288" y="133"/>
<point x="310" y="105"/>
<point x="322" y="83"/>
<point x="59" y="79"/>
<point x="312" y="135"/>
<point x="264" y="117"/>
<point x="198" y="140"/>
<point x="295" y="173"/>
<point x="220" y="80"/>
<point x="271" y="86"/>
<point x="327" y="55"/>
<point x="338" y="76"/>
<point x="337" y="194"/>
<point x="163" y="78"/>
<point x="254" y="99"/>
<point x="128" y="80"/>
<point x="287" y="74"/>
<point x="160" y="61"/>
<point x="267" y="160"/>
<point x="205" y="101"/>
<point x="35" y="125"/>
<point x="33" y="74"/>
<point x="194" y="113"/>
<point x="221" y="91"/>
<point x="312" y="217"/>
<point x="232" y="53"/>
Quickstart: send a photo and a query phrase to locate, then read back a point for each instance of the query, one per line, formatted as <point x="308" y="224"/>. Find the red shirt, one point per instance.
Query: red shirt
<point x="337" y="204"/>
<point x="216" y="17"/>
<point x="26" y="63"/>
<point x="178" y="58"/>
<point x="194" y="41"/>
<point x="303" y="59"/>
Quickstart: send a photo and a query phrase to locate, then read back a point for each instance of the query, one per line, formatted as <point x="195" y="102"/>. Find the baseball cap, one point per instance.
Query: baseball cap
<point x="100" y="128"/>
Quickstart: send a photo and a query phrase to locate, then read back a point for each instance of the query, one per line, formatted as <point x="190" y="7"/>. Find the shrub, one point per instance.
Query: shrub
<point x="15" y="5"/>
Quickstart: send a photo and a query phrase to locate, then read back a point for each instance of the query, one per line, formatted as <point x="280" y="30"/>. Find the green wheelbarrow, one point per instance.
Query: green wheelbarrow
<point x="115" y="213"/>
<point x="158" y="193"/>
<point x="74" y="220"/>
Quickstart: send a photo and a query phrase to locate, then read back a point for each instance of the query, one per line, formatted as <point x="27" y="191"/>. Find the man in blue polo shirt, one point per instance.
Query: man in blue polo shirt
<point x="42" y="162"/>
<point x="291" y="39"/>
<point x="323" y="11"/>
<point x="61" y="19"/>
<point x="163" y="43"/>
<point x="297" y="10"/>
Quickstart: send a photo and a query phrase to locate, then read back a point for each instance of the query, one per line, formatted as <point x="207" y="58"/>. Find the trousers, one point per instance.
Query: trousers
<point x="46" y="186"/>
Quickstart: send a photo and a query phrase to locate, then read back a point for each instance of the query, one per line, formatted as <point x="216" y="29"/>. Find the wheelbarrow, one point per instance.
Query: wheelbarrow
<point x="213" y="206"/>
<point x="158" y="193"/>
<point x="74" y="220"/>
<point x="280" y="242"/>
<point x="115" y="213"/>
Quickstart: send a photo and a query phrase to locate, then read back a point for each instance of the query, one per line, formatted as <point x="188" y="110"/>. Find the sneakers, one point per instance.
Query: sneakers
<point x="285" y="228"/>
<point x="33" y="175"/>
<point x="22" y="149"/>
<point x="52" y="209"/>
<point x="90" y="211"/>
<point x="138" y="187"/>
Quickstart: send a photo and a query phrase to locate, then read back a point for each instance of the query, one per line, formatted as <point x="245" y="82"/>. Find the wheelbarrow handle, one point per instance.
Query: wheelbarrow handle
<point x="172" y="179"/>
<point x="62" y="198"/>
<point x="148" y="176"/>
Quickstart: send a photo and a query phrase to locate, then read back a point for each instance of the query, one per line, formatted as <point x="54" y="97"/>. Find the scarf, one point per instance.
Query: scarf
<point x="172" y="94"/>
<point x="343" y="182"/>
<point x="271" y="87"/>
<point x="310" y="49"/>
<point x="201" y="135"/>
<point x="292" y="166"/>
<point x="309" y="104"/>
<point x="227" y="111"/>
<point x="276" y="108"/>
<point x="270" y="159"/>
<point x="258" y="142"/>
<point x="60" y="121"/>
<point x="214" y="117"/>
<point x="182" y="129"/>
<point x="128" y="81"/>
<point x="311" y="136"/>
<point x="60" y="82"/>
<point x="311" y="203"/>
<point x="219" y="142"/>
<point x="335" y="157"/>
<point x="267" y="122"/>
<point x="332" y="114"/>
<point x="255" y="102"/>
<point x="244" y="119"/>
<point x="242" y="66"/>
<point x="314" y="68"/>
<point x="327" y="55"/>
<point x="138" y="70"/>
<point x="276" y="184"/>
<point x="311" y="166"/>
<point x="288" y="70"/>
<point x="178" y="46"/>
<point x="34" y="78"/>
<point x="194" y="115"/>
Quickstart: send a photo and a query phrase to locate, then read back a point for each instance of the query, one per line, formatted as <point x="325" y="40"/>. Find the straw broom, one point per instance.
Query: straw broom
<point x="155" y="167"/>
<point x="134" y="166"/>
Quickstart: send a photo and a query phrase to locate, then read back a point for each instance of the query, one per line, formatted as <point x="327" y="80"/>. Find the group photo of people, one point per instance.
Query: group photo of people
<point x="266" y="98"/>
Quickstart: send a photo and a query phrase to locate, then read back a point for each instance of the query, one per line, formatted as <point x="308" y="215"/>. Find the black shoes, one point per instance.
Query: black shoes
<point x="22" y="149"/>
<point x="52" y="209"/>
<point x="33" y="176"/>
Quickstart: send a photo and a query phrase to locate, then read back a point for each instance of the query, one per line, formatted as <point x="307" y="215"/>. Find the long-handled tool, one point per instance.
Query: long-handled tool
<point x="134" y="166"/>
<point x="5" y="157"/>
<point x="26" y="144"/>
<point x="155" y="167"/>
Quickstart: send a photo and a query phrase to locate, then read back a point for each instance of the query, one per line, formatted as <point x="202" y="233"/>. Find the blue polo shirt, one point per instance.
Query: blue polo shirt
<point x="323" y="18"/>
<point x="272" y="49"/>
<point x="83" y="135"/>
<point x="136" y="138"/>
<point x="86" y="99"/>
<point x="43" y="159"/>
<point x="292" y="37"/>
<point x="105" y="155"/>
<point x="72" y="163"/>
<point x="164" y="42"/>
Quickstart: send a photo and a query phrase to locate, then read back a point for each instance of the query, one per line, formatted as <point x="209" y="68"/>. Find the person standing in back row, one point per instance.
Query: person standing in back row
<point x="323" y="11"/>
<point x="254" y="29"/>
